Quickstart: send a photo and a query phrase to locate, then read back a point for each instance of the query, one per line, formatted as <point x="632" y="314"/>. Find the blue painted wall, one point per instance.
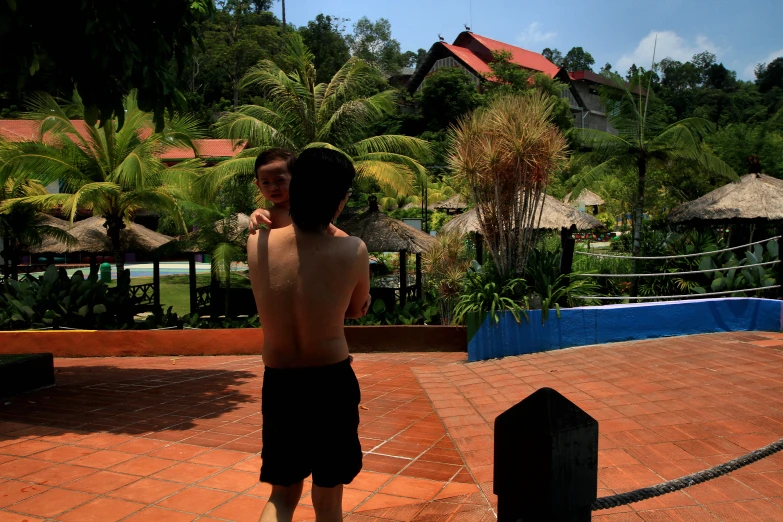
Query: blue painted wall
<point x="607" y="324"/>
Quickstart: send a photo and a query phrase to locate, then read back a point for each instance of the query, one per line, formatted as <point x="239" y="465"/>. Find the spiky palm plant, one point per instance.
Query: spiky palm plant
<point x="298" y="113"/>
<point x="643" y="138"/>
<point x="22" y="226"/>
<point x="112" y="172"/>
<point x="506" y="154"/>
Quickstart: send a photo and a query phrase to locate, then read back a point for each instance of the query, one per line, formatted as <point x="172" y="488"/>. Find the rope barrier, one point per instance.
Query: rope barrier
<point x="671" y="486"/>
<point x="684" y="296"/>
<point x="680" y="273"/>
<point x="701" y="254"/>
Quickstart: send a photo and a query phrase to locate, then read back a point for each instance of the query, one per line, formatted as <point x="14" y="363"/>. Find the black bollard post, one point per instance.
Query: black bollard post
<point x="546" y="460"/>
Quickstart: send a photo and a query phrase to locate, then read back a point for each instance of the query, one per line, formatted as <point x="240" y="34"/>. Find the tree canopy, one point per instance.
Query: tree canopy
<point x="110" y="48"/>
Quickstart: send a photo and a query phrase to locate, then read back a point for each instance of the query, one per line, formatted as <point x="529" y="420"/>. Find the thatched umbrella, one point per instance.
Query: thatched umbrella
<point x="91" y="237"/>
<point x="588" y="198"/>
<point x="452" y="205"/>
<point x="754" y="198"/>
<point x="555" y="215"/>
<point x="382" y="233"/>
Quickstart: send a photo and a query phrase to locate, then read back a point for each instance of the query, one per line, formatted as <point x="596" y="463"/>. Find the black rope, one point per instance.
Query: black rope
<point x="671" y="486"/>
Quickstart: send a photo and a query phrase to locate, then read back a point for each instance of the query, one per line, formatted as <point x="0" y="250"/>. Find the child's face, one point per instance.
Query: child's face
<point x="273" y="180"/>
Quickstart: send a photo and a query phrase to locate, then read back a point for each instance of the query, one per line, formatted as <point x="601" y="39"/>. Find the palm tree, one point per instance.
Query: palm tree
<point x="22" y="226"/>
<point x="643" y="139"/>
<point x="298" y="113"/>
<point x="112" y="172"/>
<point x="506" y="154"/>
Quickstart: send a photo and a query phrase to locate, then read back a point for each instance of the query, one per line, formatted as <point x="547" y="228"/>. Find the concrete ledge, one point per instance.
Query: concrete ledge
<point x="607" y="324"/>
<point x="25" y="372"/>
<point x="238" y="341"/>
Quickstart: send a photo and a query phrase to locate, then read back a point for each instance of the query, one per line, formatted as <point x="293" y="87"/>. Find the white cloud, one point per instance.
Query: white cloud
<point x="533" y="35"/>
<point x="669" y="45"/>
<point x="750" y="71"/>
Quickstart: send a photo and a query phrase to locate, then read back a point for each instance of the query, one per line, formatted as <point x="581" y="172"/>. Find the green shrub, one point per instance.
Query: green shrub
<point x="485" y="291"/>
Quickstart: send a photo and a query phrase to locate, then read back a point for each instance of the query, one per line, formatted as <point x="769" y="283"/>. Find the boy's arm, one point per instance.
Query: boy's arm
<point x="258" y="219"/>
<point x="360" y="298"/>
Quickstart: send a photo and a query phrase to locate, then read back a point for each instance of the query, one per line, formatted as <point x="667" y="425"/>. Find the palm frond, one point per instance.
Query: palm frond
<point x="259" y="126"/>
<point x="393" y="176"/>
<point x="416" y="148"/>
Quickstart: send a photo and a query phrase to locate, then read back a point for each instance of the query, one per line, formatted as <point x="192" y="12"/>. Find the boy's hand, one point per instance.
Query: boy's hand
<point x="366" y="305"/>
<point x="260" y="218"/>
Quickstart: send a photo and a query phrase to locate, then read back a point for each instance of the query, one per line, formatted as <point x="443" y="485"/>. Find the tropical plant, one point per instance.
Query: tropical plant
<point x="486" y="292"/>
<point x="739" y="274"/>
<point x="218" y="231"/>
<point x="56" y="300"/>
<point x="424" y="311"/>
<point x="507" y="154"/>
<point x="445" y="265"/>
<point x="643" y="138"/>
<point x="111" y="172"/>
<point x="298" y="113"/>
<point x="554" y="289"/>
<point x="21" y="226"/>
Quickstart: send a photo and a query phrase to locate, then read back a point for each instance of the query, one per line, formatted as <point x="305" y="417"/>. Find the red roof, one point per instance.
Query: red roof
<point x="26" y="130"/>
<point x="521" y="57"/>
<point x="470" y="59"/>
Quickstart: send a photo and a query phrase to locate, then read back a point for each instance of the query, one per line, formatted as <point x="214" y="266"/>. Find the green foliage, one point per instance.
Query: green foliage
<point x="739" y="275"/>
<point x="447" y="94"/>
<point x="234" y="41"/>
<point x="577" y="59"/>
<point x="484" y="291"/>
<point x="298" y="113"/>
<point x="506" y="77"/>
<point x="553" y="55"/>
<point x="736" y="142"/>
<point x="55" y="300"/>
<point x="195" y="321"/>
<point x="324" y="37"/>
<point x="543" y="277"/>
<point x="106" y="48"/>
<point x="414" y="312"/>
<point x="112" y="172"/>
<point x="607" y="219"/>
<point x="373" y="43"/>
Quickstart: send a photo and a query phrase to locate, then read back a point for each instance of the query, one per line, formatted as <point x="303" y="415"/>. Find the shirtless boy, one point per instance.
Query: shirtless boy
<point x="273" y="180"/>
<point x="306" y="283"/>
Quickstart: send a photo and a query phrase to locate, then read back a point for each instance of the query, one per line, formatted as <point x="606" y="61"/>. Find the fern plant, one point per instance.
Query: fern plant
<point x="485" y="292"/>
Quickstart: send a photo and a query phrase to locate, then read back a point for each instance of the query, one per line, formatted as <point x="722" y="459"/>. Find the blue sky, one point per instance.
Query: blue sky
<point x="741" y="33"/>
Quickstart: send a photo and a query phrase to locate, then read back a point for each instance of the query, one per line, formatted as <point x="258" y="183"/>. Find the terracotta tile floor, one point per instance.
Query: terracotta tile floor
<point x="176" y="439"/>
<point x="666" y="408"/>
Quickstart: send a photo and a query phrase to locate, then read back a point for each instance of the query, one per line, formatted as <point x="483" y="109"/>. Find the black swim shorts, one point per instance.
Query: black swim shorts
<point x="310" y="425"/>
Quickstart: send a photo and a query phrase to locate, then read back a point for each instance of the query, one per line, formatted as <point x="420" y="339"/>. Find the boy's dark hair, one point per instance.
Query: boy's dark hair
<point x="320" y="179"/>
<point x="270" y="155"/>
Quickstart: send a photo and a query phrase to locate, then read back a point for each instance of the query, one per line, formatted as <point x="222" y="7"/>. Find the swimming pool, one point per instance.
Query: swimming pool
<point x="166" y="268"/>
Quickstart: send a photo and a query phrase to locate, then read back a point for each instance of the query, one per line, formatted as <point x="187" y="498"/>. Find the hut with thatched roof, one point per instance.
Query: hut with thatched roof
<point x="588" y="198"/>
<point x="755" y="198"/>
<point x="91" y="238"/>
<point x="453" y="205"/>
<point x="555" y="215"/>
<point x="382" y="233"/>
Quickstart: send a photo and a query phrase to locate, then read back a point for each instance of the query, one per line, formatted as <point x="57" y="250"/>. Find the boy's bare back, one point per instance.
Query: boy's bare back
<point x="305" y="285"/>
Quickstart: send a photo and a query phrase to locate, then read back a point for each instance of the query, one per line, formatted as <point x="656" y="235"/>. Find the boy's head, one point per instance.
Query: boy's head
<point x="273" y="175"/>
<point x="320" y="186"/>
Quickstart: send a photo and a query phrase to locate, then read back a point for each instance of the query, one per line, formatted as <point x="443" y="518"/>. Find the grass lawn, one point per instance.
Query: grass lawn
<point x="174" y="289"/>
